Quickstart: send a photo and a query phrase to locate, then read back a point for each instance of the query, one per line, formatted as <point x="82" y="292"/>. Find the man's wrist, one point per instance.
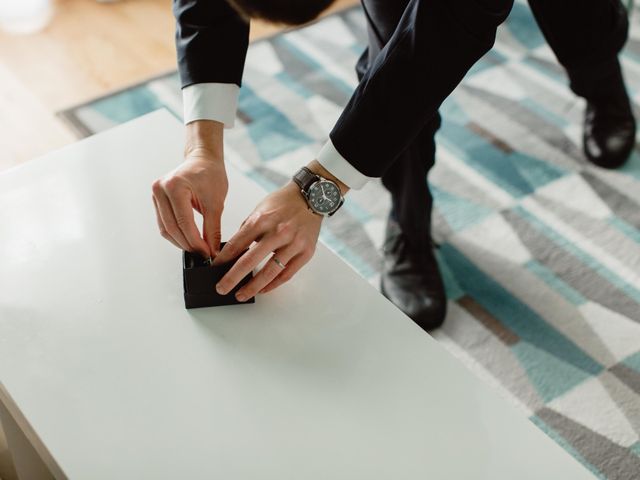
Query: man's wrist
<point x="318" y="169"/>
<point x="204" y="138"/>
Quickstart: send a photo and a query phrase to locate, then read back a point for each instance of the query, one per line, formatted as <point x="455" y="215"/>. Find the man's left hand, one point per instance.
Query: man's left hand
<point x="281" y="223"/>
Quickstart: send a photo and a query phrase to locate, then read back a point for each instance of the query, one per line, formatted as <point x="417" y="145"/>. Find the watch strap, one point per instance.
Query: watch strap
<point x="304" y="178"/>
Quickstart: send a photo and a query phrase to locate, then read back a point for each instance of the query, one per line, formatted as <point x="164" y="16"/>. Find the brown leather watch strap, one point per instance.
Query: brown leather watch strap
<point x="304" y="178"/>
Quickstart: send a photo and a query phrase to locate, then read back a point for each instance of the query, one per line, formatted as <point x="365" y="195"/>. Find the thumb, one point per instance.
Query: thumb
<point x="211" y="229"/>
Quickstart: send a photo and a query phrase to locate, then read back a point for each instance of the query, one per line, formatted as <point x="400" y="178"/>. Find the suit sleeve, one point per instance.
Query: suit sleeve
<point x="211" y="42"/>
<point x="432" y="48"/>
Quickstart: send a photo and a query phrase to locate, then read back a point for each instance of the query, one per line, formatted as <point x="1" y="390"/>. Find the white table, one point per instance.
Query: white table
<point x="105" y="375"/>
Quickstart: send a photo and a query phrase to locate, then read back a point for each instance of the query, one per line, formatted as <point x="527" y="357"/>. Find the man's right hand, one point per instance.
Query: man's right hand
<point x="200" y="183"/>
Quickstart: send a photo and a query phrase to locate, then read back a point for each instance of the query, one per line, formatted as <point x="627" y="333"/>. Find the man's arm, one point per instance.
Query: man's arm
<point x="401" y="91"/>
<point x="409" y="80"/>
<point x="211" y="43"/>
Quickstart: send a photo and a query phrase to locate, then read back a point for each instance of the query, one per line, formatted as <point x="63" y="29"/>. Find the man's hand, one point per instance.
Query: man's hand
<point x="281" y="223"/>
<point x="200" y="183"/>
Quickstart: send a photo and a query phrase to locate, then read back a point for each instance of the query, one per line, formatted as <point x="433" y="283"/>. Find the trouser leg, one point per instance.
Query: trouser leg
<point x="406" y="178"/>
<point x="586" y="37"/>
<point x="411" y="200"/>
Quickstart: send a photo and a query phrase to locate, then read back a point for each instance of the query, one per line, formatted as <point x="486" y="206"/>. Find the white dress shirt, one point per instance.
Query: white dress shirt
<point x="219" y="102"/>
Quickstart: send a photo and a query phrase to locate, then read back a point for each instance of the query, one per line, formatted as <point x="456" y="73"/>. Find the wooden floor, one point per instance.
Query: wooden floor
<point x="87" y="50"/>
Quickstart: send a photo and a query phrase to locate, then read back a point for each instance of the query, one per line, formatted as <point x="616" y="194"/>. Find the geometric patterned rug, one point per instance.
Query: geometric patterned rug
<point x="540" y="250"/>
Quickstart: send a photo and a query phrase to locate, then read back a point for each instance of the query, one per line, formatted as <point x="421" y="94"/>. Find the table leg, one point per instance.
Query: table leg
<point x="7" y="472"/>
<point x="27" y="462"/>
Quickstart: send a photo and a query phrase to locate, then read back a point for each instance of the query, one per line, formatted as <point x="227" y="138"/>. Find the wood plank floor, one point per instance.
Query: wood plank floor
<point x="88" y="49"/>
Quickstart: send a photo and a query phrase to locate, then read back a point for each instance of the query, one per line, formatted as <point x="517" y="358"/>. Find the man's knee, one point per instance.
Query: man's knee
<point x="481" y="17"/>
<point x="482" y="14"/>
<point x="496" y="5"/>
<point x="497" y="10"/>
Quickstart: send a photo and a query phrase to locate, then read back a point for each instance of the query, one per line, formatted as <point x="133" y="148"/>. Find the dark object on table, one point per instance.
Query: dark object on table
<point x="200" y="281"/>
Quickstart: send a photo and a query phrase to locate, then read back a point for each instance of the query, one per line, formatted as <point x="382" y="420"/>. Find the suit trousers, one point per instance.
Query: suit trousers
<point x="586" y="38"/>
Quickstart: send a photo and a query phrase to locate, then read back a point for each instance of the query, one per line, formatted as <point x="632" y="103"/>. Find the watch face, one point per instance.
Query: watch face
<point x="324" y="196"/>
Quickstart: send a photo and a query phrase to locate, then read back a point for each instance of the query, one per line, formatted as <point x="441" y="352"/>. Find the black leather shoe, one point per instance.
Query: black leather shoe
<point x="609" y="129"/>
<point x="411" y="279"/>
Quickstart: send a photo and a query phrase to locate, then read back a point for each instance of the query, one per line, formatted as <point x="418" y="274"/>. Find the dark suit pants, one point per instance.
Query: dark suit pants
<point x="585" y="36"/>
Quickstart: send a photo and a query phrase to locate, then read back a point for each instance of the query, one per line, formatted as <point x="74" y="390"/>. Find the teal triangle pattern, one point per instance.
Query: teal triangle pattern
<point x="491" y="59"/>
<point x="633" y="361"/>
<point x="271" y="131"/>
<point x="452" y="110"/>
<point x="550" y="278"/>
<point x="514" y="314"/>
<point x="523" y="27"/>
<point x="536" y="172"/>
<point x="128" y="105"/>
<point x="632" y="167"/>
<point x="481" y="155"/>
<point x="457" y="211"/>
<point x="550" y="375"/>
<point x="451" y="286"/>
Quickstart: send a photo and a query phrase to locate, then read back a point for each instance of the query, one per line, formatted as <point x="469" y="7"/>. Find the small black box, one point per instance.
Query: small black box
<point x="200" y="281"/>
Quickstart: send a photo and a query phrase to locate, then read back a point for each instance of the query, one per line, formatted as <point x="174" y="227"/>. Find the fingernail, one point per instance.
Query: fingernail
<point x="241" y="297"/>
<point x="220" y="290"/>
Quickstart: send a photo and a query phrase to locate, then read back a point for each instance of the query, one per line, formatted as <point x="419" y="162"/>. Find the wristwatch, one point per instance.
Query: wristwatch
<point x="322" y="195"/>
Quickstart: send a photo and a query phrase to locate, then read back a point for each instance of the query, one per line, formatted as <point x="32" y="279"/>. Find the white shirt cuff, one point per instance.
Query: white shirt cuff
<point x="211" y="101"/>
<point x="338" y="166"/>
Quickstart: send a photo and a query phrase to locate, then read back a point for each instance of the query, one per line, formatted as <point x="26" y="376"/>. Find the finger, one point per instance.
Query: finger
<point x="183" y="213"/>
<point x="239" y="242"/>
<point x="247" y="262"/>
<point x="211" y="229"/>
<point x="268" y="272"/>
<point x="292" y="268"/>
<point x="168" y="220"/>
<point x="161" y="227"/>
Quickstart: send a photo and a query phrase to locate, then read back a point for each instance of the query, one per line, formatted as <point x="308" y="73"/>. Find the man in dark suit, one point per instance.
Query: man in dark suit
<point x="419" y="50"/>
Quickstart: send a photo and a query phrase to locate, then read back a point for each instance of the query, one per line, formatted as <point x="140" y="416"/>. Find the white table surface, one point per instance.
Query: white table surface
<point x="321" y="379"/>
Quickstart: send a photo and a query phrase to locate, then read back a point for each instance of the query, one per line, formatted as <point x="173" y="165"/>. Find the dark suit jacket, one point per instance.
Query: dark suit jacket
<point x="432" y="46"/>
